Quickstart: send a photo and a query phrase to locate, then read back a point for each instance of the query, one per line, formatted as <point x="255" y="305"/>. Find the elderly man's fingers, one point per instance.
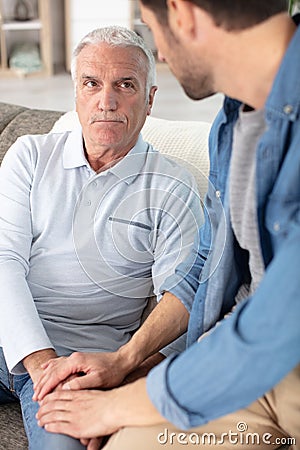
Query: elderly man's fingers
<point x="56" y="371"/>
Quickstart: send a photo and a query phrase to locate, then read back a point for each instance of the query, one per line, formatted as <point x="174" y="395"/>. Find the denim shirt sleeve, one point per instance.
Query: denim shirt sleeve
<point x="243" y="356"/>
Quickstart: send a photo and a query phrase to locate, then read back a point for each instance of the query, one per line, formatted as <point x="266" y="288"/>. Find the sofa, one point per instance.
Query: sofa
<point x="182" y="140"/>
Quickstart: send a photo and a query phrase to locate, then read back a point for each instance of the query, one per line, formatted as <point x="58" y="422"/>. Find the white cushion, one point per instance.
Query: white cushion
<point x="184" y="141"/>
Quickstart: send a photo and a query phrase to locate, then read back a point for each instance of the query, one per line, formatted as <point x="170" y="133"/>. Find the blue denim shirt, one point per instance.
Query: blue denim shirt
<point x="259" y="343"/>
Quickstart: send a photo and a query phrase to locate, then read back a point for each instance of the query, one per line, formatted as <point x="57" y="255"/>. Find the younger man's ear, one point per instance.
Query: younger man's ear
<point x="182" y="17"/>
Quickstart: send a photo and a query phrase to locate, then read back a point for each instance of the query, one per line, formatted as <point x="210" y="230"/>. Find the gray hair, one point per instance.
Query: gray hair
<point x="117" y="36"/>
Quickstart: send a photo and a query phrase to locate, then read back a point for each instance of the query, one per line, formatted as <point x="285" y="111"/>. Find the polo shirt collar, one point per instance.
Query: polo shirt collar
<point x="132" y="164"/>
<point x="127" y="168"/>
<point x="73" y="151"/>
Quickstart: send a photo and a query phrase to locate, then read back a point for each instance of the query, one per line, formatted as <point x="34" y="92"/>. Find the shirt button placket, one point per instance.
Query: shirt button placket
<point x="90" y="192"/>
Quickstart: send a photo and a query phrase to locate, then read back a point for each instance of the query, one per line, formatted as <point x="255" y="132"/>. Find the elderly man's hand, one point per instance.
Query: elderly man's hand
<point x="87" y="370"/>
<point x="33" y="362"/>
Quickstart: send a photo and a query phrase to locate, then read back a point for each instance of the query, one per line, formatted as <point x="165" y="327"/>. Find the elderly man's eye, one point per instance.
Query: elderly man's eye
<point x="90" y="83"/>
<point x="127" y="85"/>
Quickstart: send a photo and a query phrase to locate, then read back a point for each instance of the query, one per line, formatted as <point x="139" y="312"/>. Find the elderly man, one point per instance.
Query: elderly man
<point x="239" y="384"/>
<point x="90" y="224"/>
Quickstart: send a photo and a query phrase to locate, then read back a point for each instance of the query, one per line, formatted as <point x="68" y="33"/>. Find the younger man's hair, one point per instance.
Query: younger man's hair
<point x="229" y="14"/>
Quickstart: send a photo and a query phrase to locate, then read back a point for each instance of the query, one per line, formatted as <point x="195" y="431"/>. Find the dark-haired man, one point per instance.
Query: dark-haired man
<point x="240" y="383"/>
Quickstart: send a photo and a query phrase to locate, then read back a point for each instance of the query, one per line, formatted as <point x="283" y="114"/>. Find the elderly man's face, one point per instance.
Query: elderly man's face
<point x="111" y="97"/>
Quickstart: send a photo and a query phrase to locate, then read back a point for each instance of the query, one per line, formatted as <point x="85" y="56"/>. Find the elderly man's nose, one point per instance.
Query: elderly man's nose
<point x="107" y="100"/>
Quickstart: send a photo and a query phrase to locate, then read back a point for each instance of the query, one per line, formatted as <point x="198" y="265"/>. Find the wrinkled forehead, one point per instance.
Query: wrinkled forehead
<point x="111" y="59"/>
<point x="104" y="53"/>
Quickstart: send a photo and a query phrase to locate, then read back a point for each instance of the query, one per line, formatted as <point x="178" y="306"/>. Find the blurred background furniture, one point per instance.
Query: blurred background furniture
<point x="25" y="26"/>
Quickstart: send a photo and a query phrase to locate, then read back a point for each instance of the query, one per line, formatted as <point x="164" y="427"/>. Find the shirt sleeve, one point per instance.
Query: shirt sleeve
<point x="181" y="218"/>
<point x="21" y="330"/>
<point x="242" y="357"/>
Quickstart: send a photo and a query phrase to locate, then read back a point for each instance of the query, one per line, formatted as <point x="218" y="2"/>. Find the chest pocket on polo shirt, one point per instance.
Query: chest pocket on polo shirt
<point x="133" y="240"/>
<point x="282" y="218"/>
<point x="131" y="223"/>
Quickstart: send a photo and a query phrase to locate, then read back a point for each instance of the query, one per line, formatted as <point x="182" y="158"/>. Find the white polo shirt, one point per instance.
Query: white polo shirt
<point x="81" y="251"/>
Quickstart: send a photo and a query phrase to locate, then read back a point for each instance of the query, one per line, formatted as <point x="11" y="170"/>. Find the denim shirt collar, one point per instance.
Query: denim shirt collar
<point x="284" y="99"/>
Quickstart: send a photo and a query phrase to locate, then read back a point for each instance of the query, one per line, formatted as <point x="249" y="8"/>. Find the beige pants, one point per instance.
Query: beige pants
<point x="268" y="423"/>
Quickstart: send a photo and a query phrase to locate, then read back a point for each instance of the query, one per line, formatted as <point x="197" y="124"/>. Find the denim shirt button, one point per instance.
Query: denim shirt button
<point x="288" y="109"/>
<point x="218" y="194"/>
<point x="276" y="226"/>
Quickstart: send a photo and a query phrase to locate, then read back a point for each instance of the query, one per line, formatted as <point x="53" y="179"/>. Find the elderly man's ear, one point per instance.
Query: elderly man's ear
<point x="151" y="99"/>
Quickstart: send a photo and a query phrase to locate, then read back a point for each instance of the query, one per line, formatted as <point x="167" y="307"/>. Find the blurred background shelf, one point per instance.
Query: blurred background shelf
<point x="34" y="24"/>
<point x="34" y="32"/>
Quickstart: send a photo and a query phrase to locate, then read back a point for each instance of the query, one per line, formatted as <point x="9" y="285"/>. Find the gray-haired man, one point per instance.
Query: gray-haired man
<point x="90" y="224"/>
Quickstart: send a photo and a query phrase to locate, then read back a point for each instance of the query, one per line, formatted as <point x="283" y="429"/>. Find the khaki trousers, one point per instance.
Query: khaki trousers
<point x="268" y="423"/>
